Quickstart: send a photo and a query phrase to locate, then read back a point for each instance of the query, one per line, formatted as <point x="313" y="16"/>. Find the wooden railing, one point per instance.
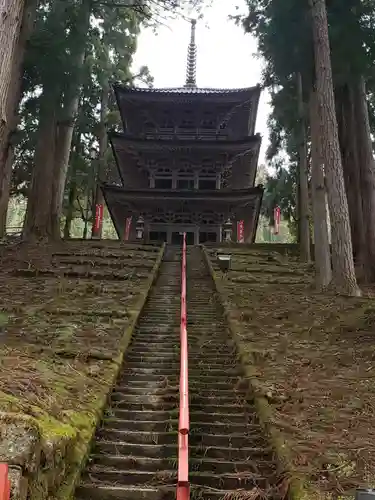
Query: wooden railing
<point x="183" y="489"/>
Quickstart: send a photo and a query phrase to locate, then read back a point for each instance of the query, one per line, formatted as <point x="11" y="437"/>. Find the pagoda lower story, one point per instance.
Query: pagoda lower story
<point x="205" y="217"/>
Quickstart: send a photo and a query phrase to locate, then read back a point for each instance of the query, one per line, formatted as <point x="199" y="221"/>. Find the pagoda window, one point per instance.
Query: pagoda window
<point x="185" y="184"/>
<point x="163" y="171"/>
<point x="149" y="127"/>
<point x="186" y="171"/>
<point x="207" y="172"/>
<point x="158" y="236"/>
<point x="208" y="184"/>
<point x="183" y="220"/>
<point x="208" y="125"/>
<point x="187" y="125"/>
<point x="207" y="237"/>
<point x="163" y="183"/>
<point x="167" y="124"/>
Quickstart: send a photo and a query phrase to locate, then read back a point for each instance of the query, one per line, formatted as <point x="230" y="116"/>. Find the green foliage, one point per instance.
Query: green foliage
<point x="265" y="232"/>
<point x="51" y="63"/>
<point x="284" y="34"/>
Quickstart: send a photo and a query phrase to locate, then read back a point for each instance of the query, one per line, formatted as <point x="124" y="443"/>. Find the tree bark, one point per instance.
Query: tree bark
<point x="303" y="205"/>
<point x="70" y="210"/>
<point x="322" y="249"/>
<point x="367" y="175"/>
<point x="10" y="25"/>
<point x="69" y="115"/>
<point x="344" y="278"/>
<point x="38" y="223"/>
<point x="103" y="147"/>
<point x="5" y="180"/>
<point x="14" y="95"/>
<point x="351" y="170"/>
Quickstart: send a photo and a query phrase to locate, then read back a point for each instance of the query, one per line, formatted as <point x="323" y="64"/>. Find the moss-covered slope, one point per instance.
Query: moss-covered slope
<point x="66" y="317"/>
<point x="310" y="357"/>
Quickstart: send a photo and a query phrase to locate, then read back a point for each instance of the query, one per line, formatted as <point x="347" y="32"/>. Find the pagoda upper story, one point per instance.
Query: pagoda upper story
<point x="188" y="112"/>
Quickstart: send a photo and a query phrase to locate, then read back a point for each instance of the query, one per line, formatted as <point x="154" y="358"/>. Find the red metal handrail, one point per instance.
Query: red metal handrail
<point x="4" y="482"/>
<point x="183" y="489"/>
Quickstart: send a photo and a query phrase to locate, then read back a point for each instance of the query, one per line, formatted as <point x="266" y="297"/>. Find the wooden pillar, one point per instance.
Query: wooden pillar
<point x="133" y="227"/>
<point x="249" y="223"/>
<point x="196" y="236"/>
<point x="196" y="180"/>
<point x="174" y="180"/>
<point x="234" y="229"/>
<point x="146" y="234"/>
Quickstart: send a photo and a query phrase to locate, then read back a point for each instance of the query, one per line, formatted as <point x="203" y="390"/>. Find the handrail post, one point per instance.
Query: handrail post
<point x="4" y="482"/>
<point x="183" y="488"/>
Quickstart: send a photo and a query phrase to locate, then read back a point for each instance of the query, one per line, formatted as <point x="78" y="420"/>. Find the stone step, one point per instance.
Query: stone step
<point x="170" y="437"/>
<point x="169" y="450"/>
<point x="197" y="388"/>
<point x="121" y="398"/>
<point x="195" y="416"/>
<point x="94" y="491"/>
<point x="123" y="462"/>
<point x="194" y="365"/>
<point x="165" y="371"/>
<point x="173" y="407"/>
<point x="101" y="474"/>
<point x="205" y="380"/>
<point x="195" y="346"/>
<point x="172" y="424"/>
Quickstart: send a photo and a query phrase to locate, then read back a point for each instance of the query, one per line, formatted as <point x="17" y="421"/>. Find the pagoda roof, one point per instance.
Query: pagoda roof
<point x="147" y="111"/>
<point x="137" y="144"/>
<point x="194" y="92"/>
<point x="122" y="202"/>
<point x="218" y="195"/>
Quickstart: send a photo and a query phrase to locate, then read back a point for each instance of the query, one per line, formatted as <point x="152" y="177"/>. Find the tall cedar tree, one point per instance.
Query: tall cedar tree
<point x="344" y="277"/>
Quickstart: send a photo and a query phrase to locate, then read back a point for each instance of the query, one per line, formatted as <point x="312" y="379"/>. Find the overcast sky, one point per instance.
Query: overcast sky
<point x="226" y="56"/>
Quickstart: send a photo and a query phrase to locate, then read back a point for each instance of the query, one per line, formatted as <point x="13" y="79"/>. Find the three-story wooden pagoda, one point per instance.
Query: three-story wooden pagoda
<point x="187" y="161"/>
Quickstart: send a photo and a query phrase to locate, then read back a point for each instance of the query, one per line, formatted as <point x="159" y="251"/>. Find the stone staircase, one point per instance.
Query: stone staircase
<point x="229" y="454"/>
<point x="134" y="455"/>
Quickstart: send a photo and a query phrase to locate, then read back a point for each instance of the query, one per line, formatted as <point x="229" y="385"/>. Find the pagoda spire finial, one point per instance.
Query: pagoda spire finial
<point x="191" y="66"/>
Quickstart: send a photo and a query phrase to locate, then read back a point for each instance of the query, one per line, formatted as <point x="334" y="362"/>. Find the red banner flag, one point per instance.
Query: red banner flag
<point x="127" y="228"/>
<point x="277" y="217"/>
<point x="98" y="217"/>
<point x="240" y="232"/>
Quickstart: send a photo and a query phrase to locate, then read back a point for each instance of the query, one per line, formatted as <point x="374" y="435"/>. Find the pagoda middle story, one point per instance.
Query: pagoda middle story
<point x="187" y="161"/>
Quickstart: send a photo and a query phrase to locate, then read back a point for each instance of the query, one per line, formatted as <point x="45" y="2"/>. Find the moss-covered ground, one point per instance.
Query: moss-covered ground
<point x="66" y="315"/>
<point x="313" y="359"/>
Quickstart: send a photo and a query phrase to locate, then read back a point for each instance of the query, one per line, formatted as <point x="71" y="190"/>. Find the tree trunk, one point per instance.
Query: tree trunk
<point x="69" y="114"/>
<point x="351" y="170"/>
<point x="103" y="147"/>
<point x="10" y="25"/>
<point x="14" y="95"/>
<point x="322" y="249"/>
<point x="303" y="205"/>
<point x="5" y="178"/>
<point x="70" y="210"/>
<point x="344" y="278"/>
<point x="38" y="222"/>
<point x="367" y="175"/>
